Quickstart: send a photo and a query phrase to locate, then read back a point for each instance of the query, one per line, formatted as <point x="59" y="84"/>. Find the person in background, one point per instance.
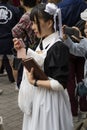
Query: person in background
<point x="23" y="30"/>
<point x="10" y="2"/>
<point x="70" y="10"/>
<point x="2" y="69"/>
<point x="14" y="2"/>
<point x="1" y="66"/>
<point x="9" y="16"/>
<point x="86" y="1"/>
<point x="80" y="50"/>
<point x="50" y="107"/>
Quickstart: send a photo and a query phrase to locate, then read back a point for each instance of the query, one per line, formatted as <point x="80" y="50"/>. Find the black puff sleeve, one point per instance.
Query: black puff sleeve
<point x="56" y="63"/>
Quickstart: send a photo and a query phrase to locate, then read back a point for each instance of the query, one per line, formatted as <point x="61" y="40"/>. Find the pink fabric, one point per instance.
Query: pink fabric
<point x="23" y="28"/>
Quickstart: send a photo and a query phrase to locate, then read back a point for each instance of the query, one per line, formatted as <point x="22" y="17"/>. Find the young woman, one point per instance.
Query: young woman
<point x="50" y="107"/>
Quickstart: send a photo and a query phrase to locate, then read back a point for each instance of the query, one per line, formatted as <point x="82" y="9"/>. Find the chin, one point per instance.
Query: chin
<point x="38" y="36"/>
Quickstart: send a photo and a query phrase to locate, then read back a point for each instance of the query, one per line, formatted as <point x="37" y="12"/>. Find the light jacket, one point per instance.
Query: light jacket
<point x="79" y="49"/>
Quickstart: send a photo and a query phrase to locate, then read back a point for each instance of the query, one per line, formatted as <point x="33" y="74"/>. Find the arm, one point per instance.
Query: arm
<point x="22" y="26"/>
<point x="48" y="84"/>
<point x="77" y="49"/>
<point x="58" y="71"/>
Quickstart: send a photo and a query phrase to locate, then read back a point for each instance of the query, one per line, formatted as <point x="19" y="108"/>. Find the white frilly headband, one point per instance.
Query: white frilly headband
<point x="83" y="15"/>
<point x="52" y="9"/>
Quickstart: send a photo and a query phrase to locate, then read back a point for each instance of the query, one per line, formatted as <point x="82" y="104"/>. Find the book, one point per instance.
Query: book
<point x="38" y="72"/>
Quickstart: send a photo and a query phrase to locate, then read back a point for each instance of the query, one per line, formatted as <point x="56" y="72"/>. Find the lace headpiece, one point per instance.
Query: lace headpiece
<point x="84" y="15"/>
<point x="52" y="9"/>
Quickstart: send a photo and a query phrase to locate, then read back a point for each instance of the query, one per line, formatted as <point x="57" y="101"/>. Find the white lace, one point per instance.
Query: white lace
<point x="84" y="15"/>
<point x="52" y="9"/>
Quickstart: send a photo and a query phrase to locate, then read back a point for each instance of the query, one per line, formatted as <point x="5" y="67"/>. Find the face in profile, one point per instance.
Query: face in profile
<point x="44" y="28"/>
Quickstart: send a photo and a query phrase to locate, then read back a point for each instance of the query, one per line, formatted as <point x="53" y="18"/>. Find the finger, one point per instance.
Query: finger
<point x="76" y="28"/>
<point x="75" y="38"/>
<point x="32" y="70"/>
<point x="15" y="39"/>
<point x="63" y="28"/>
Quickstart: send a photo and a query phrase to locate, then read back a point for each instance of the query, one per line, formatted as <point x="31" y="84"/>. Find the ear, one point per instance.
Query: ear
<point x="50" y="24"/>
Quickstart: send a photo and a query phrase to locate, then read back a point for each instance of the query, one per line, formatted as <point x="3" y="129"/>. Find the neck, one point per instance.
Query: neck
<point x="49" y="34"/>
<point x="27" y="9"/>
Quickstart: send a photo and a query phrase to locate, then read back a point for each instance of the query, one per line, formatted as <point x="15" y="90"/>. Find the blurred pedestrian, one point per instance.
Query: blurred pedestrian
<point x="9" y="16"/>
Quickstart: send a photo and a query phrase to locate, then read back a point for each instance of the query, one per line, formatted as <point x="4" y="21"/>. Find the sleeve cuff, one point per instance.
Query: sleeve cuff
<point x="55" y="85"/>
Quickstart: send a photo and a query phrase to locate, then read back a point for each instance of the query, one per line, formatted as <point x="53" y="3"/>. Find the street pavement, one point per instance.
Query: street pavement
<point x="11" y="114"/>
<point x="9" y="110"/>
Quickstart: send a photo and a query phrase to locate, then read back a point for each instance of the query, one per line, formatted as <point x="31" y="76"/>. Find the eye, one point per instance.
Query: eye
<point x="35" y="22"/>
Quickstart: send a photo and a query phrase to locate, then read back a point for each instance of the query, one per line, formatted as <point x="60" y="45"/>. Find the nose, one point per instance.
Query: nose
<point x="33" y="26"/>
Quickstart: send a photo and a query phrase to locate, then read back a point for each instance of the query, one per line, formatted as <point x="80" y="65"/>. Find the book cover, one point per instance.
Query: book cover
<point x="38" y="72"/>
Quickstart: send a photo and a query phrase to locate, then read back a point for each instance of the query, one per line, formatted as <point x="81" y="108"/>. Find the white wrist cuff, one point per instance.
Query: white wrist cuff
<point x="55" y="85"/>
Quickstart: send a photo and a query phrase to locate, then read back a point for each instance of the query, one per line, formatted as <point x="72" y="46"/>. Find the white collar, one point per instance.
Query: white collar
<point x="51" y="39"/>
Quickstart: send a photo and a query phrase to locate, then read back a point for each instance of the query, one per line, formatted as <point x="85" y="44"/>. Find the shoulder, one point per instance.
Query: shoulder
<point x="58" y="46"/>
<point x="13" y="8"/>
<point x="57" y="50"/>
<point x="15" y="11"/>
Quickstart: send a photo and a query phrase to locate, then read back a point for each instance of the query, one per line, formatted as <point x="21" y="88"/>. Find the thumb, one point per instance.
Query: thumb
<point x="32" y="70"/>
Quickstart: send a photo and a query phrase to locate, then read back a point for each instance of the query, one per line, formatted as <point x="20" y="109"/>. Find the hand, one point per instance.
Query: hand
<point x="79" y="37"/>
<point x="18" y="43"/>
<point x="31" y="76"/>
<point x="65" y="36"/>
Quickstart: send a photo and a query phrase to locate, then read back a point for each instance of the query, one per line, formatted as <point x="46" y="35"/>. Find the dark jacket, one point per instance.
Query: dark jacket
<point x="71" y="10"/>
<point x="9" y="16"/>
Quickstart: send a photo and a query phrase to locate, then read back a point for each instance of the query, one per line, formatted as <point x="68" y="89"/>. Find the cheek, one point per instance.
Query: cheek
<point x="43" y="32"/>
<point x="44" y="29"/>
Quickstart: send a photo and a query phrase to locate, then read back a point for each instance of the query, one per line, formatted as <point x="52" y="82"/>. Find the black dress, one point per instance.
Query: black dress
<point x="56" y="63"/>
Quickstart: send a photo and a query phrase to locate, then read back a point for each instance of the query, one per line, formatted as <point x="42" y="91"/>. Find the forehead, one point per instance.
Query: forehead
<point x="38" y="19"/>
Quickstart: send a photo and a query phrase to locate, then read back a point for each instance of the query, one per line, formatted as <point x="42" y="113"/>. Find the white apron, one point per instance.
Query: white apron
<point x="50" y="110"/>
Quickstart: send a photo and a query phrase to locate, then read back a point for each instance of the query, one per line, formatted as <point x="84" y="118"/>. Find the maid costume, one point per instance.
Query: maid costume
<point x="48" y="109"/>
